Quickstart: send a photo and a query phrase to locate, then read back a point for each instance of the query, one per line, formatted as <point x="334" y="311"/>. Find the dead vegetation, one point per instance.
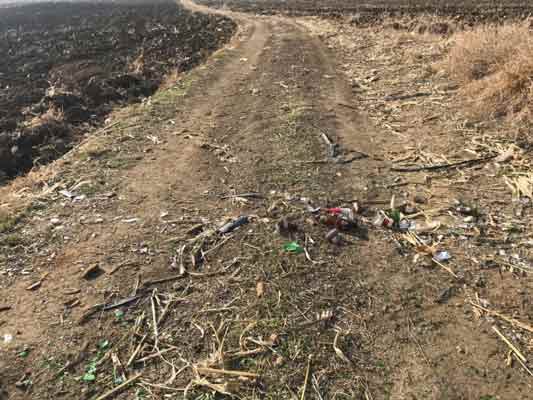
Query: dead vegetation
<point x="494" y="65"/>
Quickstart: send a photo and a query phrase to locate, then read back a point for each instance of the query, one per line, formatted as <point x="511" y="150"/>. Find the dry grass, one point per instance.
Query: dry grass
<point x="494" y="64"/>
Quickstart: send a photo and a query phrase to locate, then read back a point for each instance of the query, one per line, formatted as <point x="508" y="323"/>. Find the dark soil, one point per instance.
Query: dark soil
<point x="66" y="65"/>
<point x="372" y="10"/>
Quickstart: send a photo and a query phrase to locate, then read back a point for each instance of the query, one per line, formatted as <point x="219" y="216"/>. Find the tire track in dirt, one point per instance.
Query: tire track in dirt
<point x="268" y="100"/>
<point x="172" y="172"/>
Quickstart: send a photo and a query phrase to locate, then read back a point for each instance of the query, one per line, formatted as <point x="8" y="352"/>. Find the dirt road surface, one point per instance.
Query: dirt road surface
<point x="352" y="321"/>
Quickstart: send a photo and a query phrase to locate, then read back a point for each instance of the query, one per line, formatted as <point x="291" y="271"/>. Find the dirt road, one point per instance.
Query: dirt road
<point x="252" y="119"/>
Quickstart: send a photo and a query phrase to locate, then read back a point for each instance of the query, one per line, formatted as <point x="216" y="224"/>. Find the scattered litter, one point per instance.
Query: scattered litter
<point x="340" y="218"/>
<point x="232" y="225"/>
<point x="8" y="338"/>
<point x="333" y="236"/>
<point x="382" y="220"/>
<point x="130" y="220"/>
<point x="67" y="194"/>
<point x="24" y="353"/>
<point x="442" y="256"/>
<point x="406" y="225"/>
<point x="293" y="247"/>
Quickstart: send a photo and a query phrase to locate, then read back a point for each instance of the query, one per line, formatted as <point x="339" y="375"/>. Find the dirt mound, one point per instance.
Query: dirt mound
<point x="78" y="60"/>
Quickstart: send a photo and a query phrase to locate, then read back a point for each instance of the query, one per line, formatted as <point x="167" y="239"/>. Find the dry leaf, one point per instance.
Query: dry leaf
<point x="260" y="289"/>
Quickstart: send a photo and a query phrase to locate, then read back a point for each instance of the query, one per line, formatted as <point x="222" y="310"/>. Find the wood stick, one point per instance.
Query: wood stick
<point x="210" y="310"/>
<point x="517" y="352"/>
<point x="443" y="166"/>
<point x="136" y="351"/>
<point x="512" y="321"/>
<point x="122" y="264"/>
<point x="523" y="364"/>
<point x="395" y="97"/>
<point x="304" y="389"/>
<point x="120" y="303"/>
<point x="163" y="280"/>
<point x="254" y="195"/>
<point x="154" y="355"/>
<point x="448" y="269"/>
<point x="119" y="388"/>
<point x="156" y="330"/>
<point x="163" y="387"/>
<point x="38" y="284"/>
<point x="347" y="106"/>
<point x="88" y="313"/>
<point x="247" y="353"/>
<point x="207" y="370"/>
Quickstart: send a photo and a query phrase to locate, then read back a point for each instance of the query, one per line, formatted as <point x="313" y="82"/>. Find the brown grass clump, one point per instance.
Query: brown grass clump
<point x="53" y="115"/>
<point x="495" y="66"/>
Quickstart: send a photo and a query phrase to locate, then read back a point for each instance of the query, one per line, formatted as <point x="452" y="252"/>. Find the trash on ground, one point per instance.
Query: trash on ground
<point x="406" y="225"/>
<point x="341" y="218"/>
<point x="333" y="236"/>
<point x="293" y="247"/>
<point x="382" y="220"/>
<point x="232" y="225"/>
<point x="67" y="194"/>
<point x="442" y="256"/>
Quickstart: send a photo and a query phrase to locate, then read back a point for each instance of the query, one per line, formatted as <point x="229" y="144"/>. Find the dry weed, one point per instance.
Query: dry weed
<point x="495" y="66"/>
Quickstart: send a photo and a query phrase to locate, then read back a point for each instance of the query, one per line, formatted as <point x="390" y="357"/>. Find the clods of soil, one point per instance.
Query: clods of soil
<point x="66" y="65"/>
